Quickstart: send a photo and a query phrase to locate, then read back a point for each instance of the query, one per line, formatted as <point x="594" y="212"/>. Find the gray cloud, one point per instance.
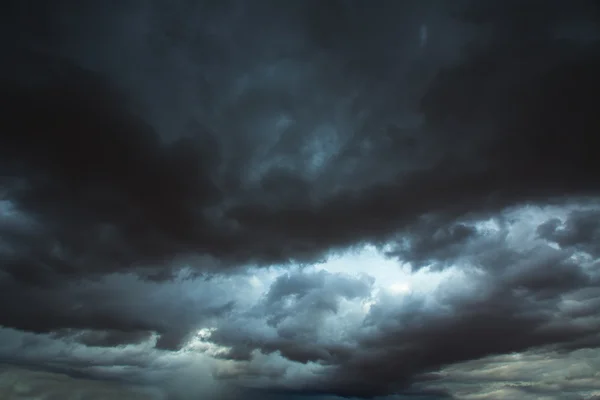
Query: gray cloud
<point x="581" y="231"/>
<point x="23" y="383"/>
<point x="299" y="171"/>
<point x="175" y="179"/>
<point x="294" y="310"/>
<point x="528" y="375"/>
<point x="519" y="296"/>
<point x="118" y="310"/>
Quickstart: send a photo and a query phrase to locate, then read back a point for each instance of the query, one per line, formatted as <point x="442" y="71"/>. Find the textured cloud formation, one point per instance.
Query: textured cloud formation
<point x="527" y="376"/>
<point x="238" y="199"/>
<point x="20" y="384"/>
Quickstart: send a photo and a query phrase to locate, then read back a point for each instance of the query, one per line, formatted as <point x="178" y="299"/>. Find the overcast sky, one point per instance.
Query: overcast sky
<point x="300" y="199"/>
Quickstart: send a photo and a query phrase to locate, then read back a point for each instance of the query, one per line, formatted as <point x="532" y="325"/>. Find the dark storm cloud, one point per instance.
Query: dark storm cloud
<point x="514" y="115"/>
<point x="581" y="231"/>
<point x="142" y="139"/>
<point x="110" y="192"/>
<point x="429" y="242"/>
<point x="101" y="188"/>
<point x="115" y="311"/>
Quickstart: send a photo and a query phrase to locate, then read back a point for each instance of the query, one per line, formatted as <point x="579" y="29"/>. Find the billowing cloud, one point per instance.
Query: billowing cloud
<point x="232" y="200"/>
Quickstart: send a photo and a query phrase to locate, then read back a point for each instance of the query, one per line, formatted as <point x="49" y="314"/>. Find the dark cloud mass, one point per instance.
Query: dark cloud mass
<point x="295" y="199"/>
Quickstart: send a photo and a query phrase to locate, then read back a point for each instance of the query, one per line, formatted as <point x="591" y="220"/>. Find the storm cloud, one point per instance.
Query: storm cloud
<point x="340" y="198"/>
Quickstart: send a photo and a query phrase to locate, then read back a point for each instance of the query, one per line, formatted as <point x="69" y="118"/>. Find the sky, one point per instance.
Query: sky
<point x="302" y="199"/>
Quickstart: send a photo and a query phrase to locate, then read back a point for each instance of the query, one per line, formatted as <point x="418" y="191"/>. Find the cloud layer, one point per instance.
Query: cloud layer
<point x="327" y="199"/>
